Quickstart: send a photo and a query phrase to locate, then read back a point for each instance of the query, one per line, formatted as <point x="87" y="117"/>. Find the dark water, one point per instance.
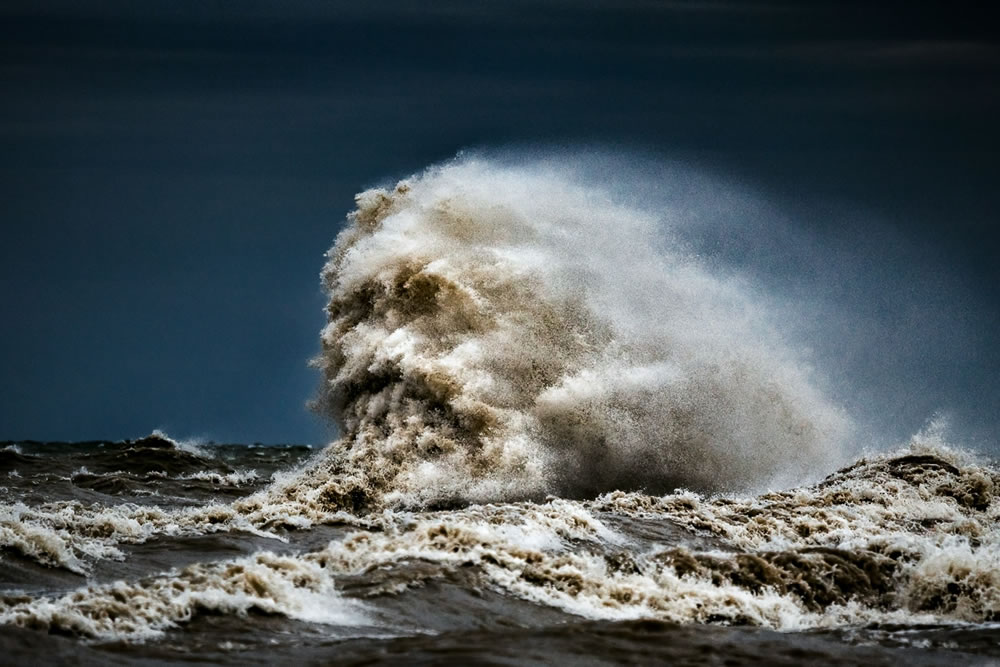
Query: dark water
<point x="563" y="440"/>
<point x="403" y="604"/>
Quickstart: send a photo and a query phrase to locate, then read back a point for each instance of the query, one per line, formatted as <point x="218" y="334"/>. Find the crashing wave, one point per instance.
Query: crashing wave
<point x="910" y="537"/>
<point x="502" y="333"/>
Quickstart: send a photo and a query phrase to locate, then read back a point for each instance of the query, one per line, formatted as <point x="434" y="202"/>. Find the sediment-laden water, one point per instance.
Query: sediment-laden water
<point x="562" y="439"/>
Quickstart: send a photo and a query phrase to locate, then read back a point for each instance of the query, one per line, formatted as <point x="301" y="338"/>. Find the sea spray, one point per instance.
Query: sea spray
<point x="909" y="537"/>
<point x="500" y="333"/>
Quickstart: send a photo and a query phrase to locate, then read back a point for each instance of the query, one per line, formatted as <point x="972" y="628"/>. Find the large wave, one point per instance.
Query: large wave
<point x="502" y="332"/>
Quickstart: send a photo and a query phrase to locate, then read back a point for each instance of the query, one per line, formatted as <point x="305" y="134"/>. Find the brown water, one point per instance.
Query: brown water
<point x="563" y="438"/>
<point x="131" y="552"/>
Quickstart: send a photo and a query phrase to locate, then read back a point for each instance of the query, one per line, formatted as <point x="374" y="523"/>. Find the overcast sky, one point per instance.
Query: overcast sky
<point x="172" y="173"/>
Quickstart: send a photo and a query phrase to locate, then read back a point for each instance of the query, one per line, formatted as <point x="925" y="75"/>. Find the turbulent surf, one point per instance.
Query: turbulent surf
<point x="505" y="333"/>
<point x="554" y="419"/>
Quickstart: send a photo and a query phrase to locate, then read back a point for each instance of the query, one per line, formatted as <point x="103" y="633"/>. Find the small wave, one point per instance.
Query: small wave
<point x="235" y="478"/>
<point x="908" y="537"/>
<point x="295" y="587"/>
<point x="71" y="535"/>
<point x="159" y="438"/>
<point x="65" y="535"/>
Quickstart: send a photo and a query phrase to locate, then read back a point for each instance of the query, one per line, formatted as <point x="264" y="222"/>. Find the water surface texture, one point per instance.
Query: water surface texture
<point x="563" y="437"/>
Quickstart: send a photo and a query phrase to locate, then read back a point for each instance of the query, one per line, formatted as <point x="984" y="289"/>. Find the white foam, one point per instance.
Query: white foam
<point x="504" y="332"/>
<point x="295" y="587"/>
<point x="235" y="478"/>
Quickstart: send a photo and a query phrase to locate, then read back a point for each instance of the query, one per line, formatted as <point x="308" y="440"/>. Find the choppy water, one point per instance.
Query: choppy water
<point x="561" y="437"/>
<point x="147" y="551"/>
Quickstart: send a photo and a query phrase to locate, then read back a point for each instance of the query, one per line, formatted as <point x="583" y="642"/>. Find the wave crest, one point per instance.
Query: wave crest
<point x="500" y="333"/>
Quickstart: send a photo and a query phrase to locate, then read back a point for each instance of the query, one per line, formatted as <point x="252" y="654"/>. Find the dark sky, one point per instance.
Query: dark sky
<point x="172" y="173"/>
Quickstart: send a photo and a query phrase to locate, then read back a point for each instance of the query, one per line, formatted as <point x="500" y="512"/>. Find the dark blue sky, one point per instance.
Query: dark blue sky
<point x="172" y="173"/>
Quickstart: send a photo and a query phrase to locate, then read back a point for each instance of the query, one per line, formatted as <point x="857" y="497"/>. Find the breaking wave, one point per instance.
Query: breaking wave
<point x="908" y="537"/>
<point x="540" y="393"/>
<point x="502" y="333"/>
